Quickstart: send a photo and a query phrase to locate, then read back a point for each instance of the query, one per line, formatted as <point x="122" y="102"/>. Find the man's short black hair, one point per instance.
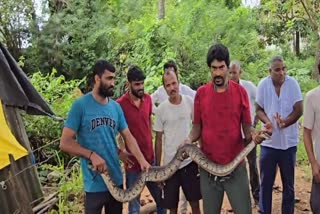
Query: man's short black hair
<point x="135" y="74"/>
<point x="170" y="64"/>
<point x="218" y="52"/>
<point x="101" y="66"/>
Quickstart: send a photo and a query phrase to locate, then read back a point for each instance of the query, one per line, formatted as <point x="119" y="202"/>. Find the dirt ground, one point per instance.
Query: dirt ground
<point x="302" y="191"/>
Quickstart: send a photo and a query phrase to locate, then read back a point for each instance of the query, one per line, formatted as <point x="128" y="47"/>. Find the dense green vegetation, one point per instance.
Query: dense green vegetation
<point x="71" y="35"/>
<point x="58" y="47"/>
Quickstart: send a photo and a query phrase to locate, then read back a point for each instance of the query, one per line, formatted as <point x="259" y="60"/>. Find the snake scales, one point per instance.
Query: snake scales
<point x="162" y="173"/>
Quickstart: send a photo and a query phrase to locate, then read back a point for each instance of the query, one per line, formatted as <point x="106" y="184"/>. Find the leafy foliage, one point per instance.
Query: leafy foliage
<point x="59" y="55"/>
<point x="128" y="32"/>
<point x="60" y="94"/>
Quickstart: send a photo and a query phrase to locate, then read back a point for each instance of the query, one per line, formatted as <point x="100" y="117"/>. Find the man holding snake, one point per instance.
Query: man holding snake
<point x="221" y="107"/>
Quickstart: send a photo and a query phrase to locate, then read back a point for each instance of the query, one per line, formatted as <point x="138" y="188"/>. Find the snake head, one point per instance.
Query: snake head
<point x="185" y="155"/>
<point x="181" y="153"/>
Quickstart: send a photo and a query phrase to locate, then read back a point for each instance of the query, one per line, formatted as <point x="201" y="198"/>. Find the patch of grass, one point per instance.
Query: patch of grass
<point x="302" y="158"/>
<point x="71" y="193"/>
<point x="69" y="185"/>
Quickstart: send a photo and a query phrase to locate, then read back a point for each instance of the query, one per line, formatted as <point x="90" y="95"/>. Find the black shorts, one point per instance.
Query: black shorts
<point x="188" y="178"/>
<point x="95" y="201"/>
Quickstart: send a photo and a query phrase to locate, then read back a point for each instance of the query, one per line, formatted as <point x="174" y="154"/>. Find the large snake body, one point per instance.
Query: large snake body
<point x="162" y="173"/>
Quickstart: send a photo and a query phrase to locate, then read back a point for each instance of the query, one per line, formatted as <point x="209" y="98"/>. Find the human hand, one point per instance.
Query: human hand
<point x="125" y="157"/>
<point x="279" y="120"/>
<point x="268" y="128"/>
<point x="98" y="163"/>
<point x="316" y="171"/>
<point x="145" y="166"/>
<point x="258" y="136"/>
<point x="186" y="141"/>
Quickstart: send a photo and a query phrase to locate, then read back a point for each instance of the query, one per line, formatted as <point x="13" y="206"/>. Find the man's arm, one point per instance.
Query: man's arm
<point x="268" y="127"/>
<point x="247" y="133"/>
<point x="307" y="139"/>
<point x="255" y="121"/>
<point x="70" y="145"/>
<point x="309" y="148"/>
<point x="124" y="155"/>
<point x="254" y="94"/>
<point x="134" y="148"/>
<point x="246" y="120"/>
<point x="294" y="115"/>
<point x="261" y="114"/>
<point x="297" y="107"/>
<point x="158" y="146"/>
<point x="194" y="134"/>
<point x="309" y="116"/>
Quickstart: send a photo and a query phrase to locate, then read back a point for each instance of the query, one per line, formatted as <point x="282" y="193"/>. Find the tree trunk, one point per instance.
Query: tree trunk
<point x="316" y="72"/>
<point x="311" y="12"/>
<point x="297" y="43"/>
<point x="35" y="25"/>
<point x="161" y="13"/>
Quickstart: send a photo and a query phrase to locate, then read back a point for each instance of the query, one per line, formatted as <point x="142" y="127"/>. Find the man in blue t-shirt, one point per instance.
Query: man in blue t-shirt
<point x="89" y="132"/>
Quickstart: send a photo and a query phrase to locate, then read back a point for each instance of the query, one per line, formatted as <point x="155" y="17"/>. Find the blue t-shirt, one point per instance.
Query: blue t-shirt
<point x="96" y="126"/>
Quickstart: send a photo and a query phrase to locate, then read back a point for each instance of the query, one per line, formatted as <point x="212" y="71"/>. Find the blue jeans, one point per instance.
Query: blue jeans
<point x="286" y="160"/>
<point x="134" y="205"/>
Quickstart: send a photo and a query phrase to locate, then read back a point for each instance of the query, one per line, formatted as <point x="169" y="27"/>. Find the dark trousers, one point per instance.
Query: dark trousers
<point x="95" y="201"/>
<point x="286" y="160"/>
<point x="254" y="175"/>
<point x="236" y="189"/>
<point x="315" y="197"/>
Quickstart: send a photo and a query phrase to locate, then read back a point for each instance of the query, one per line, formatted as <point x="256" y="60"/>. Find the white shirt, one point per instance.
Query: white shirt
<point x="267" y="99"/>
<point x="175" y="123"/>
<point x="161" y="95"/>
<point x="311" y="119"/>
<point x="251" y="90"/>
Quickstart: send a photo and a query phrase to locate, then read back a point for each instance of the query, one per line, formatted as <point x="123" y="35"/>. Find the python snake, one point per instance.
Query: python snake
<point x="162" y="173"/>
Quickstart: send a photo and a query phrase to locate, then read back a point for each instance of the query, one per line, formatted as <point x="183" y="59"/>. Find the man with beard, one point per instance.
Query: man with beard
<point x="221" y="108"/>
<point x="311" y="136"/>
<point x="235" y="74"/>
<point x="278" y="106"/>
<point x="173" y="120"/>
<point x="89" y="132"/>
<point x="137" y="108"/>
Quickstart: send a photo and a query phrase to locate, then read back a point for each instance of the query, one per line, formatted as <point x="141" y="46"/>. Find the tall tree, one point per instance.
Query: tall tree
<point x="161" y="9"/>
<point x="312" y="10"/>
<point x="17" y="21"/>
<point x="283" y="23"/>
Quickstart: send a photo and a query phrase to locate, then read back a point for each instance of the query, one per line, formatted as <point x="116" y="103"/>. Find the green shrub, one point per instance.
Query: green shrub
<point x="59" y="94"/>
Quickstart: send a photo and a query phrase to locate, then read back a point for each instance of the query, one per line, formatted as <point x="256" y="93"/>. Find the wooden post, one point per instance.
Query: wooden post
<point x="18" y="188"/>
